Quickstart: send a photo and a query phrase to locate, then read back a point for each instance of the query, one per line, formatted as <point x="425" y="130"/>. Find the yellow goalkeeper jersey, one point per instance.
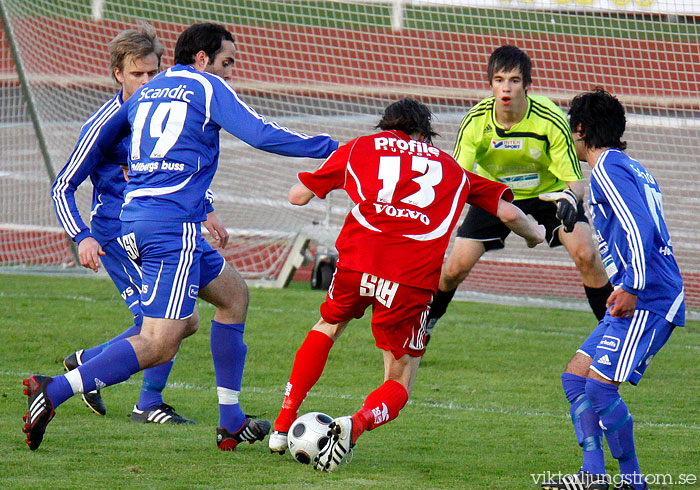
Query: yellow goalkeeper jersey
<point x="536" y="155"/>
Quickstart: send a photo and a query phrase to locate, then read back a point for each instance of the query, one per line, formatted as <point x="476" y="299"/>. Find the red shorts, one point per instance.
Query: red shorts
<point x="399" y="312"/>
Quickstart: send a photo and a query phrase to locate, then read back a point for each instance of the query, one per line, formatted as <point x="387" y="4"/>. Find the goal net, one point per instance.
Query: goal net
<point x="332" y="66"/>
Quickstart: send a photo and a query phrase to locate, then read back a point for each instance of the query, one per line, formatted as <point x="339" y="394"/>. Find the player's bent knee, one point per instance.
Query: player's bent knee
<point x="155" y="352"/>
<point x="229" y="294"/>
<point x="332" y="330"/>
<point x="582" y="251"/>
<point x="579" y="365"/>
<point x="234" y="311"/>
<point x="166" y="353"/>
<point x="584" y="257"/>
<point x="235" y="297"/>
<point x="191" y="326"/>
<point x="453" y="274"/>
<point x="239" y="302"/>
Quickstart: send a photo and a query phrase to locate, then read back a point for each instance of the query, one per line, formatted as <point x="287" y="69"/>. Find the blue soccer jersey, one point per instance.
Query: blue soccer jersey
<point x="173" y="125"/>
<point x="174" y="122"/>
<point x="106" y="175"/>
<point x="633" y="239"/>
<point x="107" y="181"/>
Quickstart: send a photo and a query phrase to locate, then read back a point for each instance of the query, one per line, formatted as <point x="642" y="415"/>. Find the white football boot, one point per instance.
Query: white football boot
<point x="339" y="444"/>
<point x="278" y="442"/>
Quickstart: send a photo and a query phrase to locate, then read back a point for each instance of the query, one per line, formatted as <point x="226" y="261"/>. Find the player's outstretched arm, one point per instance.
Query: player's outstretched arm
<point x="242" y="121"/>
<point x="299" y="195"/>
<point x="515" y="219"/>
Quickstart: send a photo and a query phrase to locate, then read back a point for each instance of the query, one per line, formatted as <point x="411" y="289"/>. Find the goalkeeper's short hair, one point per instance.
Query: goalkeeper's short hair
<point x="508" y="58"/>
<point x="409" y="116"/>
<point x="134" y="43"/>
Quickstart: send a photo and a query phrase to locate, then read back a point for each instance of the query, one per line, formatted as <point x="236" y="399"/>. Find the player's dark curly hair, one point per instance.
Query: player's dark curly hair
<point x="205" y="37"/>
<point x="509" y="58"/>
<point x="409" y="116"/>
<point x="600" y="118"/>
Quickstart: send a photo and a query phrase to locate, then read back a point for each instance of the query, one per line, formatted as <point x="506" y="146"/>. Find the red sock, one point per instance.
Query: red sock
<point x="308" y="366"/>
<point x="381" y="406"/>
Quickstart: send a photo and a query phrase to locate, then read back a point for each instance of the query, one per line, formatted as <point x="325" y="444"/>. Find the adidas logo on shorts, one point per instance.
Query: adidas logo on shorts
<point x="605" y="360"/>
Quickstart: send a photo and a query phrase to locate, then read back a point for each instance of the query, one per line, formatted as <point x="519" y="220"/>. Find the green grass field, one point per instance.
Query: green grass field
<point x="487" y="409"/>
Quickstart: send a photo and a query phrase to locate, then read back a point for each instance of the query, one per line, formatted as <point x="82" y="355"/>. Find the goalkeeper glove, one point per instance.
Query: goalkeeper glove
<point x="566" y="207"/>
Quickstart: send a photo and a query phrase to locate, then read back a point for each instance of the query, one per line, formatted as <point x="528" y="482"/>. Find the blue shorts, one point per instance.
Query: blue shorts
<point x="175" y="261"/>
<point x="622" y="348"/>
<point x="212" y="264"/>
<point x="124" y="274"/>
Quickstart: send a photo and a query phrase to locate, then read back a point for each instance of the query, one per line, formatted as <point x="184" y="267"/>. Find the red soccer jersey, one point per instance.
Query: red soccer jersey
<point x="408" y="197"/>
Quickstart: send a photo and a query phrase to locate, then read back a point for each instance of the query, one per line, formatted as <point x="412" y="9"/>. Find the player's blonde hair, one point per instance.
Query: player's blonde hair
<point x="133" y="43"/>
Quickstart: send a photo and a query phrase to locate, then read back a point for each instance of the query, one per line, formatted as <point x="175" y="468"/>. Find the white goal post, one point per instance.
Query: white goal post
<point x="332" y="66"/>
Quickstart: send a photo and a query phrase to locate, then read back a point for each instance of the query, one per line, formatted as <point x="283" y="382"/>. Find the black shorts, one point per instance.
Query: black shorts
<point x="484" y="227"/>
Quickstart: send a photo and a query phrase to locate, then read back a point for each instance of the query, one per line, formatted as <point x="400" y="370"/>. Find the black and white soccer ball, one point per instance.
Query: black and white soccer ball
<point x="308" y="435"/>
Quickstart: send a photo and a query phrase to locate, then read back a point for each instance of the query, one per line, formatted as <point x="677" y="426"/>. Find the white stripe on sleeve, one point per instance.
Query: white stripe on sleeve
<point x="627" y="220"/>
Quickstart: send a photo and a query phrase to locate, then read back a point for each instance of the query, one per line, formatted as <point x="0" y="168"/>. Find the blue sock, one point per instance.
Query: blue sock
<point x="59" y="390"/>
<point x="116" y="364"/>
<point x="94" y="351"/>
<point x="618" y="428"/>
<point x="154" y="380"/>
<point x="585" y="419"/>
<point x="228" y="352"/>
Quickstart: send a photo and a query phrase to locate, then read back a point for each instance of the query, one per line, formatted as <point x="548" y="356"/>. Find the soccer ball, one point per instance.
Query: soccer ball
<point x="308" y="435"/>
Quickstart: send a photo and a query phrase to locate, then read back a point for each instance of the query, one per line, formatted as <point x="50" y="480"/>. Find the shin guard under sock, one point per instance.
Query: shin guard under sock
<point x="307" y="369"/>
<point x="114" y="365"/>
<point x="618" y="428"/>
<point x="586" y="423"/>
<point x="381" y="406"/>
<point x="228" y="351"/>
